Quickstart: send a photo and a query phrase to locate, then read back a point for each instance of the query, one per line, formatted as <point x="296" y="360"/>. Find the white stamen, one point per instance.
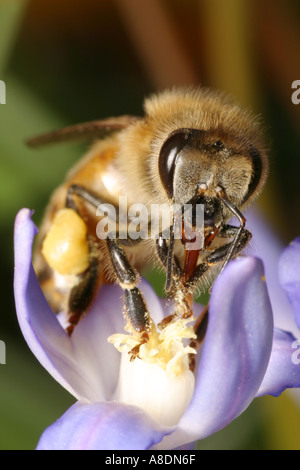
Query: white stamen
<point x="159" y="380"/>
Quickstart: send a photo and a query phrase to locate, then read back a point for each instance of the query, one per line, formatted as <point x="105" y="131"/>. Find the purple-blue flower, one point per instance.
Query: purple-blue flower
<point x="123" y="405"/>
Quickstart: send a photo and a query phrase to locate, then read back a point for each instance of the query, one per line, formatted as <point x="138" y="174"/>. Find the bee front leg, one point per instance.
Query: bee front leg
<point x="136" y="311"/>
<point x="162" y="252"/>
<point x="219" y="255"/>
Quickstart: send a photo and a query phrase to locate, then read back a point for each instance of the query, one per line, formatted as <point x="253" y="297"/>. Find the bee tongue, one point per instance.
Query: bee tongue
<point x="190" y="262"/>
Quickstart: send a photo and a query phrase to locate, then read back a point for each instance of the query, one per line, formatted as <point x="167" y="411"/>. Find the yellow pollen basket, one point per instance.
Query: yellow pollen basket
<point x="65" y="247"/>
<point x="165" y="348"/>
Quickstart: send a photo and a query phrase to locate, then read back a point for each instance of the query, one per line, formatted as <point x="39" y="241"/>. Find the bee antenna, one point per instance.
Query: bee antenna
<point x="234" y="210"/>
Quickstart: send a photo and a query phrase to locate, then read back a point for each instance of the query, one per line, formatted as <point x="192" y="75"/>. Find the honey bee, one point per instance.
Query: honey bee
<point x="193" y="146"/>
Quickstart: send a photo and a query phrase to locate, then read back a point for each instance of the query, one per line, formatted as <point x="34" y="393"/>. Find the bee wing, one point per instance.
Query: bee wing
<point x="84" y="131"/>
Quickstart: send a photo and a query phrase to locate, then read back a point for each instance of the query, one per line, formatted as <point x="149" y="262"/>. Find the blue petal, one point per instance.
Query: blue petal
<point x="56" y="351"/>
<point x="102" y="426"/>
<point x="266" y="246"/>
<point x="289" y="275"/>
<point x="284" y="367"/>
<point x="235" y="354"/>
<point x="85" y="364"/>
<point x="74" y="362"/>
<point x="36" y="319"/>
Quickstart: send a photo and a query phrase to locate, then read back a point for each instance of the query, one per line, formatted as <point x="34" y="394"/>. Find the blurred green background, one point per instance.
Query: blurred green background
<point x="65" y="62"/>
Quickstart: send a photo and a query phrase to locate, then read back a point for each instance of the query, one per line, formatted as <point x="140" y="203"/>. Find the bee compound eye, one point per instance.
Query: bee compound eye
<point x="168" y="157"/>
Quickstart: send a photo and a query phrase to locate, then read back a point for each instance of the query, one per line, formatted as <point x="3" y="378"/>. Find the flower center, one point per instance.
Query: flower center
<point x="159" y="380"/>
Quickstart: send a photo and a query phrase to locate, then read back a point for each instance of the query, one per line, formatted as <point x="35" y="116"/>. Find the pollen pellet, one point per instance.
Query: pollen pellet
<point x="65" y="247"/>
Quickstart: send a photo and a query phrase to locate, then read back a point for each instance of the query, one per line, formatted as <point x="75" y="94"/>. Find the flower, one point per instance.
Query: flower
<point x="138" y="405"/>
<point x="290" y="275"/>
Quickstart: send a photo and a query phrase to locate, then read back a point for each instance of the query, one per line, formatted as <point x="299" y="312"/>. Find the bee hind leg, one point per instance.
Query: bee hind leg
<point x="82" y="295"/>
<point x="136" y="311"/>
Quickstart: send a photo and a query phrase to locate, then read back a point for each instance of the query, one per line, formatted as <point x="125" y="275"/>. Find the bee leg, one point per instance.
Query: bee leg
<point x="221" y="253"/>
<point x="188" y="288"/>
<point x="82" y="295"/>
<point x="162" y="252"/>
<point x="229" y="231"/>
<point x="215" y="257"/>
<point x="85" y="194"/>
<point x="200" y="328"/>
<point x="136" y="311"/>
